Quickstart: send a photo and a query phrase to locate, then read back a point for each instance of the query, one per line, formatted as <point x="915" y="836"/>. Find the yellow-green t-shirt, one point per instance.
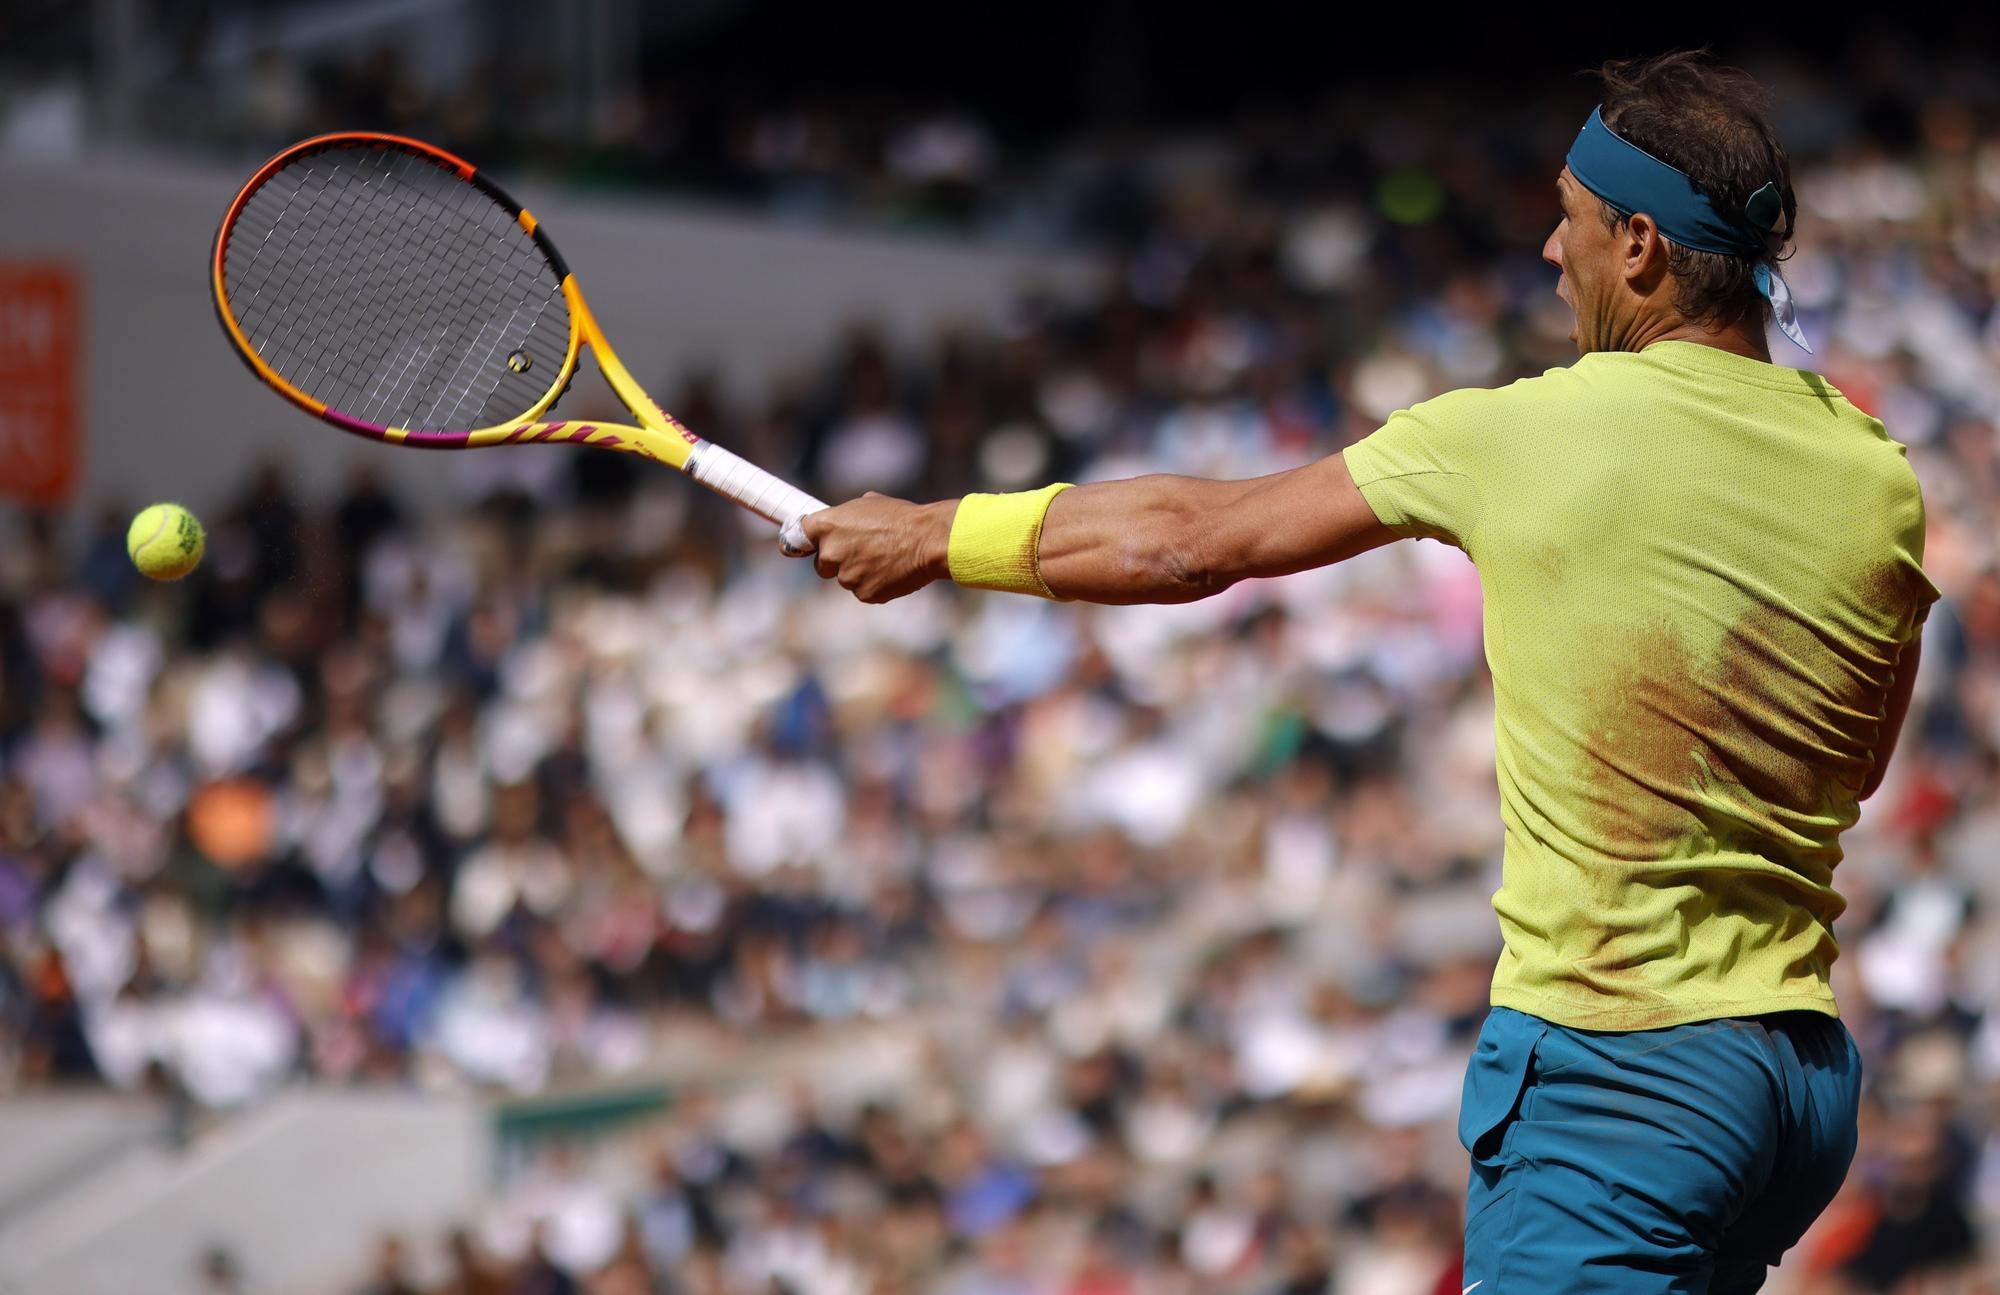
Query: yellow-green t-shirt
<point x="1699" y="570"/>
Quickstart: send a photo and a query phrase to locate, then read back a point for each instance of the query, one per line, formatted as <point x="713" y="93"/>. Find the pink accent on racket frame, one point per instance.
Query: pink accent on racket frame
<point x="420" y="439"/>
<point x="348" y="423"/>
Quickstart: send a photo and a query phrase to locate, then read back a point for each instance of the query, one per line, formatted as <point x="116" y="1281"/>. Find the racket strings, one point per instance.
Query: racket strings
<point x="387" y="287"/>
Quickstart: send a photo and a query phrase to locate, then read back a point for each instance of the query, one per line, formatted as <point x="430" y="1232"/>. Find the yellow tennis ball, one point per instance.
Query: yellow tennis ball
<point x="165" y="542"/>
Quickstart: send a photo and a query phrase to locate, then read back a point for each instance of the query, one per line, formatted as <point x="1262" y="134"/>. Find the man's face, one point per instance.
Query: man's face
<point x="1590" y="258"/>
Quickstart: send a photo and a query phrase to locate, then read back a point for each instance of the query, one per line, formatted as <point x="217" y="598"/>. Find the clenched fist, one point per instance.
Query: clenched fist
<point x="880" y="548"/>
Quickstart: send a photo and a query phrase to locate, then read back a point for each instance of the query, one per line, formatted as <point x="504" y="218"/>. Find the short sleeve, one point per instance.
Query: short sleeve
<point x="1923" y="593"/>
<point x="1420" y="470"/>
<point x="1900" y="585"/>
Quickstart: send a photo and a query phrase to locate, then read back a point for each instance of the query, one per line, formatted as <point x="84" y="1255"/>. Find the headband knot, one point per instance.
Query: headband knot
<point x="1764" y="207"/>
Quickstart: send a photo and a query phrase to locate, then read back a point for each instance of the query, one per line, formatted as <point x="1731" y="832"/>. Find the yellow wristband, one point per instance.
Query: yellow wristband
<point x="996" y="541"/>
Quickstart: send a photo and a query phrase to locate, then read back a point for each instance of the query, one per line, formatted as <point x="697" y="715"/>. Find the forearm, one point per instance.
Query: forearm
<point x="1137" y="541"/>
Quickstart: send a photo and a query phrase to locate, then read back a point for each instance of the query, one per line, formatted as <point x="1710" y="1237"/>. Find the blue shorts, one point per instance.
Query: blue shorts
<point x="1686" y="1159"/>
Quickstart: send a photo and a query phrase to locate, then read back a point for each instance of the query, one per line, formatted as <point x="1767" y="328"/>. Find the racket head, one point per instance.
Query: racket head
<point x="389" y="288"/>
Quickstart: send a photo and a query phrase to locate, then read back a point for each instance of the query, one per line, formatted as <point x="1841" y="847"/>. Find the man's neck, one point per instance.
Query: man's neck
<point x="1743" y="338"/>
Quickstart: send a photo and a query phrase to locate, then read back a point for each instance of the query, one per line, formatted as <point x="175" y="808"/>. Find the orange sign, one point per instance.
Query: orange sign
<point x="41" y="340"/>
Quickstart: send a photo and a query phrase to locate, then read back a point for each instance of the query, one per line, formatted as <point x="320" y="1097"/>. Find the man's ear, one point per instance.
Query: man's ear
<point x="1645" y="252"/>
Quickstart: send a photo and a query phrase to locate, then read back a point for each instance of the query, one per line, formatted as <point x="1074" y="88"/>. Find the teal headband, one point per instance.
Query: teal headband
<point x="1631" y="180"/>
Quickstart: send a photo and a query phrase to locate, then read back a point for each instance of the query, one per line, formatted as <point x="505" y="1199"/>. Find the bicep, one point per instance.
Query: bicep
<point x="1289" y="521"/>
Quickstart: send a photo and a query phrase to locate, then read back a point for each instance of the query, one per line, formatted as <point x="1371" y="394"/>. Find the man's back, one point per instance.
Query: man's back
<point x="1700" y="570"/>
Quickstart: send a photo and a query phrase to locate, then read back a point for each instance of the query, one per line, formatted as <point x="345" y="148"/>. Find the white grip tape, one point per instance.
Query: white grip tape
<point x="737" y="478"/>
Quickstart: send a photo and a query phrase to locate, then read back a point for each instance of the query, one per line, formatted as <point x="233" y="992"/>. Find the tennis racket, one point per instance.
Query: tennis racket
<point x="394" y="291"/>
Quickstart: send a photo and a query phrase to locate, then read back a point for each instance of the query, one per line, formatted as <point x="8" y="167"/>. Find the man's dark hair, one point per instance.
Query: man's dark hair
<point x="1710" y="122"/>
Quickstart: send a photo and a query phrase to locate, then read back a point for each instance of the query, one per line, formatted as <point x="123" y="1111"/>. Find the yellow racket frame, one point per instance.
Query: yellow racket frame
<point x="658" y="436"/>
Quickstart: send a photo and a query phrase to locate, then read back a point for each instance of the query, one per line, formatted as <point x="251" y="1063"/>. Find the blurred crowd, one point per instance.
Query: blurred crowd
<point x="1186" y="906"/>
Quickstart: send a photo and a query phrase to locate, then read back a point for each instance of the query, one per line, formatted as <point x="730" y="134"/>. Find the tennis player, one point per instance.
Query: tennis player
<point x="1703" y="594"/>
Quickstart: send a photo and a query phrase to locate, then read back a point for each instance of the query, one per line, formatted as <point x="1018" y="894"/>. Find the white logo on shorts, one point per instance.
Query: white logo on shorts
<point x="1468" y="1290"/>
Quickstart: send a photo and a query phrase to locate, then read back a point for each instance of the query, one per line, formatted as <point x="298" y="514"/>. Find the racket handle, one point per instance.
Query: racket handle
<point x="734" y="477"/>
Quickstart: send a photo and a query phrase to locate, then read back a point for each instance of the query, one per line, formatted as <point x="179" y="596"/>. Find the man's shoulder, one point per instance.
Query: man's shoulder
<point x="1486" y="410"/>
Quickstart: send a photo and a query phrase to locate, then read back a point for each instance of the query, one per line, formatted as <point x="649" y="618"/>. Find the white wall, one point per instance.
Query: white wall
<point x="171" y="413"/>
<point x="297" y="1191"/>
<point x="55" y="1140"/>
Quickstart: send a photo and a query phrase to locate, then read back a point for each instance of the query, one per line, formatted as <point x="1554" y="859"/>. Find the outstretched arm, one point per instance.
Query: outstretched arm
<point x="1159" y="539"/>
